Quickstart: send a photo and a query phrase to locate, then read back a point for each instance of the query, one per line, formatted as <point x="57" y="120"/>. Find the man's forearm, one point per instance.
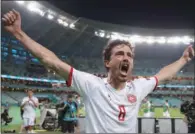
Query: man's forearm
<point x="171" y="70"/>
<point x="35" y="104"/>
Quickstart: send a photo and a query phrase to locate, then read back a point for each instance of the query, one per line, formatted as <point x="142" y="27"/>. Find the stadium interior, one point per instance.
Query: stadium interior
<point x="79" y="42"/>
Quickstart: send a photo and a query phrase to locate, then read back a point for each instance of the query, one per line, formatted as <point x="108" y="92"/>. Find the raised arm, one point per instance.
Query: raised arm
<point x="12" y="23"/>
<point x="171" y="70"/>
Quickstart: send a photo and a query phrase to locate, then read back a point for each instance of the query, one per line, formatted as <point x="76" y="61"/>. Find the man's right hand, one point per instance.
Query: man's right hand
<point x="12" y="21"/>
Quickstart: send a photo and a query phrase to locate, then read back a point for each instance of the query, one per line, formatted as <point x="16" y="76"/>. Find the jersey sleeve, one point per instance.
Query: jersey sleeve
<point x="81" y="82"/>
<point x="144" y="86"/>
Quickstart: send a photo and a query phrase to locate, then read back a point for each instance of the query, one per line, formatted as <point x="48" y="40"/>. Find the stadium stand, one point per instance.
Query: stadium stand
<point x="78" y="52"/>
<point x="6" y="98"/>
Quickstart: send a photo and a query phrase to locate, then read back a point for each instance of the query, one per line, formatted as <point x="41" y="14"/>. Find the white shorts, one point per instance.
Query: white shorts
<point x="147" y="114"/>
<point x="152" y="114"/>
<point x="166" y="114"/>
<point x="29" y="122"/>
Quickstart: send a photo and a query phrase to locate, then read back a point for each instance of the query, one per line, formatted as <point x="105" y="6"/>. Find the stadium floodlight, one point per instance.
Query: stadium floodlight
<point x="116" y="36"/>
<point x="34" y="7"/>
<point x="41" y="12"/>
<point x="186" y="40"/>
<point x="49" y="16"/>
<point x="65" y="23"/>
<point x="150" y="40"/>
<point x="20" y="2"/>
<point x="108" y="36"/>
<point x="161" y="40"/>
<point x="60" y="21"/>
<point x="96" y="33"/>
<point x="102" y="34"/>
<point x="72" y="25"/>
<point x="174" y="40"/>
<point x="124" y="38"/>
<point x="136" y="39"/>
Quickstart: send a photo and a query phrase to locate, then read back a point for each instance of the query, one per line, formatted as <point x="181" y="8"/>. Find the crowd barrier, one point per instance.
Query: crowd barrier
<point x="154" y="125"/>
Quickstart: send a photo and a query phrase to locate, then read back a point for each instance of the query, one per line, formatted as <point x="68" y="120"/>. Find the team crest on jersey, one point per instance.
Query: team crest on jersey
<point x="132" y="98"/>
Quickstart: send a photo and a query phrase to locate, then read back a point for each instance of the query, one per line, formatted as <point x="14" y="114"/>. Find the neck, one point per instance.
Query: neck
<point x="118" y="85"/>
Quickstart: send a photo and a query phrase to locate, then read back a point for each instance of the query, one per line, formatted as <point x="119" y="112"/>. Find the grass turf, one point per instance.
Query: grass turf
<point x="17" y="121"/>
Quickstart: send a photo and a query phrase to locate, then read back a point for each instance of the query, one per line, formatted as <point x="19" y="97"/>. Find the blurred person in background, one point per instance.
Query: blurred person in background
<point x="148" y="109"/>
<point x="166" y="106"/>
<point x="78" y="102"/>
<point x="188" y="110"/>
<point x="29" y="105"/>
<point x="152" y="109"/>
<point x="112" y="104"/>
<point x="69" y="115"/>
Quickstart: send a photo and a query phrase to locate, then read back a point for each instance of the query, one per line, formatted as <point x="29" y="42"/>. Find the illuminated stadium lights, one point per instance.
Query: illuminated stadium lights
<point x="136" y="39"/>
<point x="65" y="23"/>
<point x="34" y="7"/>
<point x="20" y="2"/>
<point x="72" y="25"/>
<point x="145" y="39"/>
<point x="49" y="16"/>
<point x="161" y="40"/>
<point x="96" y="33"/>
<point x="108" y="36"/>
<point x="116" y="36"/>
<point x="102" y="34"/>
<point x="60" y="21"/>
<point x="174" y="40"/>
<point x="186" y="40"/>
<point x="150" y="40"/>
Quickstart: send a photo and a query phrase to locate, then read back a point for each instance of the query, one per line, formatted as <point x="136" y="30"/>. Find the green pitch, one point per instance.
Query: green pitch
<point x="17" y="121"/>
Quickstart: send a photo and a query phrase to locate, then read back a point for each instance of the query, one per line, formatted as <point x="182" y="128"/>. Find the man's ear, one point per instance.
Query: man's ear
<point x="107" y="64"/>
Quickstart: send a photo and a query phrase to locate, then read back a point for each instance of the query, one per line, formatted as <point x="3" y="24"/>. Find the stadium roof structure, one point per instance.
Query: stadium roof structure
<point x="138" y="13"/>
<point x="69" y="35"/>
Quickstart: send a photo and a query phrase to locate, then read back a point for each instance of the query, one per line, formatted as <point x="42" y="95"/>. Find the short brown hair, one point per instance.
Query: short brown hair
<point x="110" y="45"/>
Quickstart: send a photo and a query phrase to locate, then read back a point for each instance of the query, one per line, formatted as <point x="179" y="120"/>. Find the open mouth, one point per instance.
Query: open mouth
<point x="124" y="68"/>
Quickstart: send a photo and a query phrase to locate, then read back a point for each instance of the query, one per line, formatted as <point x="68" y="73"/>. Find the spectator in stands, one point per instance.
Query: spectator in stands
<point x="29" y="105"/>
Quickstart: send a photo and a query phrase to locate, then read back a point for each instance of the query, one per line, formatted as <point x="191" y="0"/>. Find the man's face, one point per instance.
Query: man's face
<point x="121" y="62"/>
<point x="78" y="98"/>
<point x="30" y="93"/>
<point x="69" y="99"/>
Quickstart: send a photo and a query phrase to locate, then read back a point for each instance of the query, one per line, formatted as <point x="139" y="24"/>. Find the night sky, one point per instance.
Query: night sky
<point x="142" y="13"/>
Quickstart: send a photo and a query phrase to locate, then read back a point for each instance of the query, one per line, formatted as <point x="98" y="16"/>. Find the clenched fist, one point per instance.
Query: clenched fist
<point x="12" y="21"/>
<point x="188" y="54"/>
